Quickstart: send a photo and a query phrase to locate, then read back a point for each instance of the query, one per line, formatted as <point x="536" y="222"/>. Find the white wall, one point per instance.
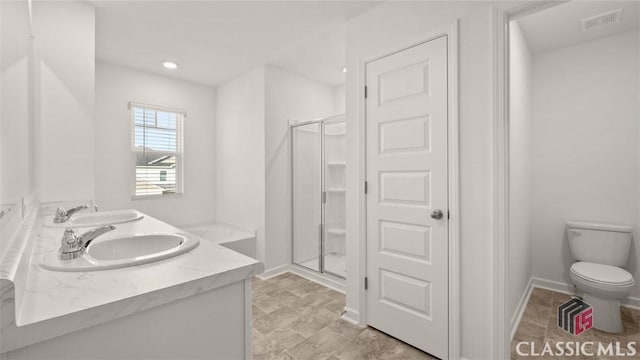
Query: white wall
<point x="253" y="151"/>
<point x="339" y="99"/>
<point x="520" y="82"/>
<point x="585" y="146"/>
<point x="240" y="154"/>
<point x="288" y="97"/>
<point x="382" y="30"/>
<point x="116" y="86"/>
<point x="64" y="99"/>
<point x="15" y="104"/>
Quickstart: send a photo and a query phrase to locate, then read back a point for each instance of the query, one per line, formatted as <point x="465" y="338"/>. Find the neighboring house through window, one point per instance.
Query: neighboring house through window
<point x="157" y="146"/>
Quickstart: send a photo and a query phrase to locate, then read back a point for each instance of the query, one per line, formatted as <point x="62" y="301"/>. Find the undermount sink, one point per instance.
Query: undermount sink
<point x="98" y="218"/>
<point x="123" y="252"/>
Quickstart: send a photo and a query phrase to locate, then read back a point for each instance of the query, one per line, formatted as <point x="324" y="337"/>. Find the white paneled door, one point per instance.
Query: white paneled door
<point x="407" y="198"/>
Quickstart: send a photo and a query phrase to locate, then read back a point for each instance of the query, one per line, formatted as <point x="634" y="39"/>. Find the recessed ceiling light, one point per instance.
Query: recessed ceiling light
<point x="344" y="69"/>
<point x="170" y="65"/>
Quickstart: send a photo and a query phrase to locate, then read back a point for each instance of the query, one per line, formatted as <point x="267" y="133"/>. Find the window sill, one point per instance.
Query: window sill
<point x="156" y="197"/>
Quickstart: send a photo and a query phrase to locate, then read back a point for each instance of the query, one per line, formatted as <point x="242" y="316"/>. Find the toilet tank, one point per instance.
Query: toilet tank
<point x="606" y="244"/>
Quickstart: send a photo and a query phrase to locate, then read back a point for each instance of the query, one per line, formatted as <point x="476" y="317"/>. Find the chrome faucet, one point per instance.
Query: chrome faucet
<point x="72" y="245"/>
<point x="63" y="215"/>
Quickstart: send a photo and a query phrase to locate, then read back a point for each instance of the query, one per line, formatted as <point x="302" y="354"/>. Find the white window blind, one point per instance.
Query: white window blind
<point x="157" y="145"/>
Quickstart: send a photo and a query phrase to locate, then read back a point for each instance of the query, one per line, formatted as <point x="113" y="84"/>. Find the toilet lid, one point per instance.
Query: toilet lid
<point x="600" y="273"/>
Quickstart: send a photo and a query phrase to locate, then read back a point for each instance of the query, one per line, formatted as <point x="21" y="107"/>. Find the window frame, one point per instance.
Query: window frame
<point x="179" y="155"/>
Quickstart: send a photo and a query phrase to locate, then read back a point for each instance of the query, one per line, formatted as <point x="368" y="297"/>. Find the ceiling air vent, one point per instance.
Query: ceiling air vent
<point x="610" y="17"/>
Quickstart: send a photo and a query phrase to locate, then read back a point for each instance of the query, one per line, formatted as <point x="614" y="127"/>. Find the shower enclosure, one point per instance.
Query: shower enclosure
<point x="318" y="185"/>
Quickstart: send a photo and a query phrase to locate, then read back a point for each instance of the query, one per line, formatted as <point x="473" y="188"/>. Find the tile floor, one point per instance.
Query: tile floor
<point x="539" y="325"/>
<point x="294" y="318"/>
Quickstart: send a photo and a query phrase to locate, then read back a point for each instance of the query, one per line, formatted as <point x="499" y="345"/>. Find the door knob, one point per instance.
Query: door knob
<point x="437" y="214"/>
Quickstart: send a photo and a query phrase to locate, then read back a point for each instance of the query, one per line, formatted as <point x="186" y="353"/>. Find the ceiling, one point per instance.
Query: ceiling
<point x="320" y="58"/>
<point x="215" y="41"/>
<point x="559" y="26"/>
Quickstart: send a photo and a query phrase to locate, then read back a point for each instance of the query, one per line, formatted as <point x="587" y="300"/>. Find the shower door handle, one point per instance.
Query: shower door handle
<point x="437" y="214"/>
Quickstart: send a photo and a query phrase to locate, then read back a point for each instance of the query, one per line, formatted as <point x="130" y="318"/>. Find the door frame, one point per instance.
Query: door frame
<point x="451" y="31"/>
<point x="502" y="15"/>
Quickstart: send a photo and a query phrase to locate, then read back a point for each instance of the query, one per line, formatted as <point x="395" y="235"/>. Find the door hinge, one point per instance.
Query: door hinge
<point x="365" y="92"/>
<point x="366" y="187"/>
<point x="448" y="215"/>
<point x="366" y="283"/>
<point x="324" y="197"/>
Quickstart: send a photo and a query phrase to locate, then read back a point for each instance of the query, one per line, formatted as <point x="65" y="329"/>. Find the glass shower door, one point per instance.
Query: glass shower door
<point x="334" y="205"/>
<point x="306" y="179"/>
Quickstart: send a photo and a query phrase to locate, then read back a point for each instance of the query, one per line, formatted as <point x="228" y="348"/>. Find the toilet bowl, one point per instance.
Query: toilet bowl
<point x="602" y="287"/>
<point x="601" y="251"/>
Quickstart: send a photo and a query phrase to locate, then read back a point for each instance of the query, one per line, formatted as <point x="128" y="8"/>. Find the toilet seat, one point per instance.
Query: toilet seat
<point x="599" y="274"/>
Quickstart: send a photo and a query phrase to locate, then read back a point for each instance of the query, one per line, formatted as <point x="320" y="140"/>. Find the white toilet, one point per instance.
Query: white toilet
<point x="601" y="250"/>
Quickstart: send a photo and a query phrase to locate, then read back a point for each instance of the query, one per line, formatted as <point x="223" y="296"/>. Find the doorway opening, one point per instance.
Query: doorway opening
<point x="567" y="150"/>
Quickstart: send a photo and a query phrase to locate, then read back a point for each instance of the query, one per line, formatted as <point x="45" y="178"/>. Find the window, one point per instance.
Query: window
<point x="157" y="146"/>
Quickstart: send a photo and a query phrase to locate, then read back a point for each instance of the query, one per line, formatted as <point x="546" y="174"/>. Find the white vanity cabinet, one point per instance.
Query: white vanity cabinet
<point x="195" y="305"/>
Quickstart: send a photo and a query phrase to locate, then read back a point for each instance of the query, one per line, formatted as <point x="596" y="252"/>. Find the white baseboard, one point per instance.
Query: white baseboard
<point x="273" y="272"/>
<point x="631" y="302"/>
<point x="522" y="304"/>
<point x="534" y="282"/>
<point x="552" y="285"/>
<point x="322" y="279"/>
<point x="351" y="316"/>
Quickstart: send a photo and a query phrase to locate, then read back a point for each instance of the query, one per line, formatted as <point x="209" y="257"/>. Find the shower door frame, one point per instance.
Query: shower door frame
<point x="335" y="119"/>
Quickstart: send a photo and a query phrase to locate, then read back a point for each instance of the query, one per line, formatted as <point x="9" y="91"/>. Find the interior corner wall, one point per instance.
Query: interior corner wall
<point x="116" y="86"/>
<point x="240" y="154"/>
<point x="253" y="177"/>
<point x="520" y="78"/>
<point x="404" y="22"/>
<point x="288" y="97"/>
<point x="585" y="116"/>
<point x="64" y="90"/>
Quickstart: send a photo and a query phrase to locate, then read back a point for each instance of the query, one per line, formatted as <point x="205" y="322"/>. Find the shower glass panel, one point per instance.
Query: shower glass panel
<point x="334" y="169"/>
<point x="307" y="194"/>
<point x="318" y="186"/>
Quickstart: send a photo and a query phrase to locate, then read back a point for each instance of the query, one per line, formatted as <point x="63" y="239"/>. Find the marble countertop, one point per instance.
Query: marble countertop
<point x="114" y="293"/>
